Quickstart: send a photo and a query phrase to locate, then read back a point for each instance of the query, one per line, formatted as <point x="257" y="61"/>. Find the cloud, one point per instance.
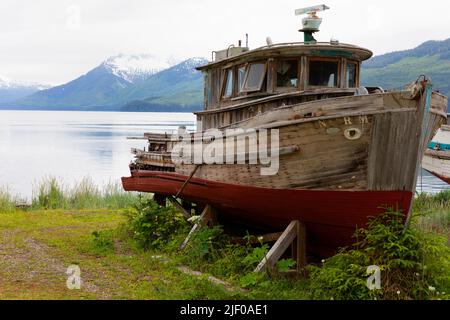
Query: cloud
<point x="56" y="41"/>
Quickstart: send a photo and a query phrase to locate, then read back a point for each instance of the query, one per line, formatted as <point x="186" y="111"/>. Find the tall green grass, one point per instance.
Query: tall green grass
<point x="50" y="193"/>
<point x="7" y="201"/>
<point x="432" y="212"/>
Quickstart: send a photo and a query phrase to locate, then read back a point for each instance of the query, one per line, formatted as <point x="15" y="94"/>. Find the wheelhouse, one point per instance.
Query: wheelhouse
<point x="279" y="75"/>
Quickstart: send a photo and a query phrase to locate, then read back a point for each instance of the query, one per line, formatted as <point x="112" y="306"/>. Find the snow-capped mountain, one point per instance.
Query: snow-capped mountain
<point x="11" y="90"/>
<point x="189" y="65"/>
<point x="134" y="68"/>
<point x="9" y="83"/>
<point x="121" y="79"/>
<point x="169" y="81"/>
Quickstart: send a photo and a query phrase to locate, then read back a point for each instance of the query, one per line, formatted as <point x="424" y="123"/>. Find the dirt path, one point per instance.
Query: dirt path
<point x="36" y="249"/>
<point x="27" y="264"/>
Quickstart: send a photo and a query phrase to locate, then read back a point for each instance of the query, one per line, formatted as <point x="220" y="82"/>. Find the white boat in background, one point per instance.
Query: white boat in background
<point x="437" y="156"/>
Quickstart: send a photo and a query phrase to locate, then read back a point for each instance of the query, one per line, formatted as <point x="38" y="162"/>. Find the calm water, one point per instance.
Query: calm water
<point x="71" y="145"/>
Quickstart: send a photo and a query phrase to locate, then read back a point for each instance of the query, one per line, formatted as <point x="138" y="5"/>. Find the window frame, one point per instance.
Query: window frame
<point x="324" y="59"/>
<point x="226" y="72"/>
<point x="245" y="66"/>
<point x="357" y="64"/>
<point x="288" y="89"/>
<point x="247" y="73"/>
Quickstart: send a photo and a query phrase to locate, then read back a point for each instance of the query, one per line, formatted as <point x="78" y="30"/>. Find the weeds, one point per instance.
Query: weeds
<point x="49" y="193"/>
<point x="7" y="201"/>
<point x="153" y="226"/>
<point x="411" y="261"/>
<point x="433" y="212"/>
<point x="103" y="242"/>
<point x="414" y="263"/>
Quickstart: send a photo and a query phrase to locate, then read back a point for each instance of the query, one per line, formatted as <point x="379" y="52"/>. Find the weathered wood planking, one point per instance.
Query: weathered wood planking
<point x="384" y="158"/>
<point x="310" y="166"/>
<point x="393" y="151"/>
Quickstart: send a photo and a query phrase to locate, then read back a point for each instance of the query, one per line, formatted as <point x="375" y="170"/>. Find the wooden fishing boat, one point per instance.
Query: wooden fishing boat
<point x="344" y="151"/>
<point x="437" y="156"/>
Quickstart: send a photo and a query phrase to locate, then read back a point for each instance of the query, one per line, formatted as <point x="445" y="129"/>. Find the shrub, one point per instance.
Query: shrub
<point x="152" y="225"/>
<point x="411" y="263"/>
<point x="204" y="243"/>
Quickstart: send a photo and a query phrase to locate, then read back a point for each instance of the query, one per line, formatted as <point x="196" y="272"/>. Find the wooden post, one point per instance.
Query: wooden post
<point x="301" y="246"/>
<point x="185" y="213"/>
<point x="208" y="217"/>
<point x="160" y="199"/>
<point x="294" y="231"/>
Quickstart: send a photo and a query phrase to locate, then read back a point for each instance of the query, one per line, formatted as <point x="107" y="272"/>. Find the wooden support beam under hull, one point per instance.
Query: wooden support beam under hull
<point x="295" y="236"/>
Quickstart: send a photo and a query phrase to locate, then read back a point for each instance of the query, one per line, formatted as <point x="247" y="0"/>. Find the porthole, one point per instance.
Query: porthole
<point x="352" y="133"/>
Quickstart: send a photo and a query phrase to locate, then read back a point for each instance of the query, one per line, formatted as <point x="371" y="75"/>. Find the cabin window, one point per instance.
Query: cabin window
<point x="228" y="89"/>
<point x="323" y="73"/>
<point x="287" y="73"/>
<point x="241" y="78"/>
<point x="351" y="74"/>
<point x="255" y="77"/>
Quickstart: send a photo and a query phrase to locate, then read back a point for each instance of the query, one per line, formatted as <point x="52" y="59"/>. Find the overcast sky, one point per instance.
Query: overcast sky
<point x="55" y="41"/>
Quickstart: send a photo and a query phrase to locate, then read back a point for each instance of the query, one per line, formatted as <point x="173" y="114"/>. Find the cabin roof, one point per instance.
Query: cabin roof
<point x="322" y="49"/>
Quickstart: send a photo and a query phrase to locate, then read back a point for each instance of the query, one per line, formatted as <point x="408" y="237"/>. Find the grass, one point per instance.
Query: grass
<point x="51" y="194"/>
<point x="7" y="202"/>
<point x="432" y="213"/>
<point x="89" y="227"/>
<point x="42" y="244"/>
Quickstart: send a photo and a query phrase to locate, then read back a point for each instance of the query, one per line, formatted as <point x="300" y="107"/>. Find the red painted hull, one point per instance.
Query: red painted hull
<point x="331" y="217"/>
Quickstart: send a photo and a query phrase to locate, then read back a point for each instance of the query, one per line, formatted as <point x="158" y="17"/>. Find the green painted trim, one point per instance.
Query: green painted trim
<point x="331" y="53"/>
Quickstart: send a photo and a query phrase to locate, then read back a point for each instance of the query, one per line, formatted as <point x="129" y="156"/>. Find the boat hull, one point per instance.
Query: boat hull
<point x="438" y="164"/>
<point x="349" y="159"/>
<point x="331" y="217"/>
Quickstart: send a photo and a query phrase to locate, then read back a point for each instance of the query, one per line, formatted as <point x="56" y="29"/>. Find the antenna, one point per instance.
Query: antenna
<point x="312" y="22"/>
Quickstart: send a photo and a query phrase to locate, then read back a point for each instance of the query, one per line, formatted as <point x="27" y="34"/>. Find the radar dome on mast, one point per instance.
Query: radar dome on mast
<point x="312" y="22"/>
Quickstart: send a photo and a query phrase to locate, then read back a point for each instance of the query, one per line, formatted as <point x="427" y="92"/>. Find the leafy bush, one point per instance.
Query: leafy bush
<point x="411" y="263"/>
<point x="256" y="255"/>
<point x="211" y="251"/>
<point x="153" y="226"/>
<point x="204" y="242"/>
